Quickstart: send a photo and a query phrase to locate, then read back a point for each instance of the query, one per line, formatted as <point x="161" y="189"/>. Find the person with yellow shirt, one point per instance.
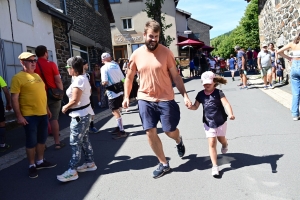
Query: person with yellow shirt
<point x="29" y="101"/>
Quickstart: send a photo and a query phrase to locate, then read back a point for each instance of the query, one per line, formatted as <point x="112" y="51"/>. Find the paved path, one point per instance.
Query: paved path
<point x="261" y="162"/>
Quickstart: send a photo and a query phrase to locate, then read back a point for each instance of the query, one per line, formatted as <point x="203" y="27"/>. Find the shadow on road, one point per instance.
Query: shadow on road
<point x="236" y="161"/>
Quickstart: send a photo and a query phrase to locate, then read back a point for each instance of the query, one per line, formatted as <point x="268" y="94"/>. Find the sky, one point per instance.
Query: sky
<point x="223" y="15"/>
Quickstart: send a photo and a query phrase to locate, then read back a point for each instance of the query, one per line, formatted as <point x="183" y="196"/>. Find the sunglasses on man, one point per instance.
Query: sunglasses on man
<point x="31" y="61"/>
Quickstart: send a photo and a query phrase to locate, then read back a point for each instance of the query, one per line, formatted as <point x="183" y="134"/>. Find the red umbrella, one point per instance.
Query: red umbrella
<point x="190" y="42"/>
<point x="207" y="48"/>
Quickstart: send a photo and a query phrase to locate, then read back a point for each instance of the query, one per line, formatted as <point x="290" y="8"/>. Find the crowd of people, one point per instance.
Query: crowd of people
<point x="155" y="68"/>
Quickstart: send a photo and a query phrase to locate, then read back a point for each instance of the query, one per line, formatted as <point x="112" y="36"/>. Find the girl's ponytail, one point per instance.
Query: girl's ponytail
<point x="219" y="80"/>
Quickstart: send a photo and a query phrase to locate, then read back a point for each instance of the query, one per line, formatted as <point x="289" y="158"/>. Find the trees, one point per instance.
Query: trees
<point x="153" y="10"/>
<point x="246" y="34"/>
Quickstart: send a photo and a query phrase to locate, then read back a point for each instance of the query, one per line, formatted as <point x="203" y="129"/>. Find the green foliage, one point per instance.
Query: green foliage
<point x="153" y="10"/>
<point x="246" y="34"/>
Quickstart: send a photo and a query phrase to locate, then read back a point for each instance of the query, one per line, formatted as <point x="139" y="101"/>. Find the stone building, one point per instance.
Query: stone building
<point x="82" y="28"/>
<point x="201" y="30"/>
<point x="279" y="21"/>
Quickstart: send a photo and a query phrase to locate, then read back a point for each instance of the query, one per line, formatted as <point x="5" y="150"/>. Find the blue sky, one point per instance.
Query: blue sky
<point x="223" y="15"/>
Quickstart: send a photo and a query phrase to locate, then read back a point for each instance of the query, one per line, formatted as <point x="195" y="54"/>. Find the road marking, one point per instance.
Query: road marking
<point x="16" y="156"/>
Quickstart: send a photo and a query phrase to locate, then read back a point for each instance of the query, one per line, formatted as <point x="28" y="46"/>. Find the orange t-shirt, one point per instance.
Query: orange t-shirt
<point x="153" y="68"/>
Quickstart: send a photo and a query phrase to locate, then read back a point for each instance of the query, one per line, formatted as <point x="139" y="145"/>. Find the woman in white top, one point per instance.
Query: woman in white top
<point x="295" y="73"/>
<point x="80" y="110"/>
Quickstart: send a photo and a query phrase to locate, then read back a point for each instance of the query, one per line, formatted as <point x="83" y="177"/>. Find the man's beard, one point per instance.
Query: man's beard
<point x="151" y="45"/>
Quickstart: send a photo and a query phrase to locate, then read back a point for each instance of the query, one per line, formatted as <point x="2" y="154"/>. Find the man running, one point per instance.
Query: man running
<point x="157" y="68"/>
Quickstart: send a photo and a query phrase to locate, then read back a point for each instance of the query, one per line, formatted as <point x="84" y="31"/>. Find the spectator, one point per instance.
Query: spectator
<point x="96" y="81"/>
<point x="264" y="63"/>
<point x="294" y="46"/>
<point x="3" y="145"/>
<point x="29" y="102"/>
<point x="250" y="58"/>
<point x="192" y="68"/>
<point x="48" y="71"/>
<point x="80" y="110"/>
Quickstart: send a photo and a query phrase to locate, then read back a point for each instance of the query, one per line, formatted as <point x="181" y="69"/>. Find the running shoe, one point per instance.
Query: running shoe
<point x="295" y="118"/>
<point x="94" y="130"/>
<point x="67" y="176"/>
<point x="6" y="146"/>
<point x="33" y="172"/>
<point x="271" y="86"/>
<point x="224" y="149"/>
<point x="161" y="170"/>
<point x="265" y="87"/>
<point x="87" y="167"/>
<point x="115" y="131"/>
<point x="45" y="164"/>
<point x="180" y="148"/>
<point x="244" y="88"/>
<point x="120" y="134"/>
<point x="215" y="171"/>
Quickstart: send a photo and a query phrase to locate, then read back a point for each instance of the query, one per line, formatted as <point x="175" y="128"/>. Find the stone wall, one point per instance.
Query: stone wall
<point x="279" y="22"/>
<point x="62" y="48"/>
<point x="90" y="23"/>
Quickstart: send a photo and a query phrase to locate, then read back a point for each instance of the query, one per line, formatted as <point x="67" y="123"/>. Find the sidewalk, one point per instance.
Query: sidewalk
<point x="19" y="154"/>
<point x="280" y="93"/>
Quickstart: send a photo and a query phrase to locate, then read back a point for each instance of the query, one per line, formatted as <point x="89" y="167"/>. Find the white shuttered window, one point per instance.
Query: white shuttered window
<point x="24" y="12"/>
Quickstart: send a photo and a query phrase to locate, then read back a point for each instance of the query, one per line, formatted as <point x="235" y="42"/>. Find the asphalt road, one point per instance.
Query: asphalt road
<point x="262" y="161"/>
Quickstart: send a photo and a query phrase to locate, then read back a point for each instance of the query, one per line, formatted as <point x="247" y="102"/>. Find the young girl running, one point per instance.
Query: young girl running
<point x="214" y="115"/>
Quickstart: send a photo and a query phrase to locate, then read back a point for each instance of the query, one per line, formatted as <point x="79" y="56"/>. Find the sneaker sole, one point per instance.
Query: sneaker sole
<point x="94" y="132"/>
<point x="45" y="167"/>
<point x="67" y="180"/>
<point x="119" y="137"/>
<point x="34" y="176"/>
<point x="164" y="172"/>
<point x="88" y="169"/>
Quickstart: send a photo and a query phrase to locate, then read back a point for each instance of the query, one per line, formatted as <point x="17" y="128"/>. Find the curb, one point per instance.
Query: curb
<point x="16" y="156"/>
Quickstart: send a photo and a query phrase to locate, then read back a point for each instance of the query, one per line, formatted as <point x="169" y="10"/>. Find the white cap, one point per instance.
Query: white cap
<point x="105" y="55"/>
<point x="207" y="77"/>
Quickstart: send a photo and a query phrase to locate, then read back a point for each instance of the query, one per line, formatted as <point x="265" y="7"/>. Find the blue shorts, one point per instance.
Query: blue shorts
<point x="167" y="112"/>
<point x="97" y="83"/>
<point x="36" y="130"/>
<point x="250" y="62"/>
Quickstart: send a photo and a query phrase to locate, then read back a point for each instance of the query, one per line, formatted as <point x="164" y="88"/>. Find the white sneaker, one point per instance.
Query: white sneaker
<point x="67" y="176"/>
<point x="87" y="167"/>
<point x="215" y="171"/>
<point x="295" y="118"/>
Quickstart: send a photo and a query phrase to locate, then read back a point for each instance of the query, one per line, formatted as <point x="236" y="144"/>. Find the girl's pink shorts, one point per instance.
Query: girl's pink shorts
<point x="215" y="132"/>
